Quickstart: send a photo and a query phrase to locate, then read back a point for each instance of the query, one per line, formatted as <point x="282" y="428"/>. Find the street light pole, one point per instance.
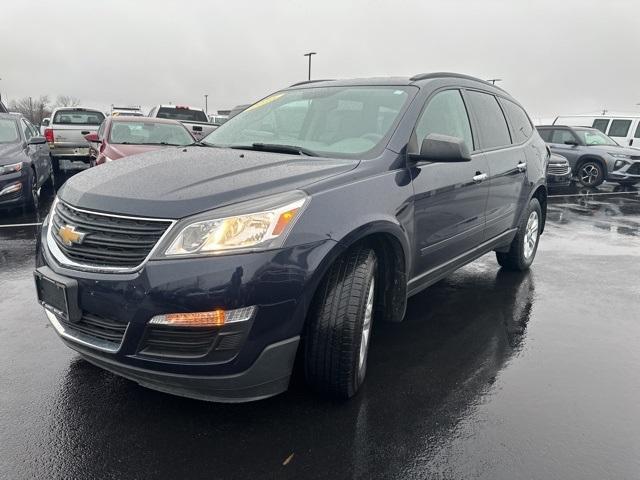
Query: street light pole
<point x="206" y="104"/>
<point x="309" y="55"/>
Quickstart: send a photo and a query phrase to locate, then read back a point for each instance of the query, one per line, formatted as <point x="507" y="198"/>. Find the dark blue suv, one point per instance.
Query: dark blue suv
<point x="206" y="271"/>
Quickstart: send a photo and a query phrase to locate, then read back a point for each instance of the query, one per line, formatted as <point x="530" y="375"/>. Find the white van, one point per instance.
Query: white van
<point x="623" y="128"/>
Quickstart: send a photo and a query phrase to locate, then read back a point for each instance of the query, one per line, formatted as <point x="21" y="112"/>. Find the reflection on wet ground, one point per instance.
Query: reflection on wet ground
<point x="491" y="375"/>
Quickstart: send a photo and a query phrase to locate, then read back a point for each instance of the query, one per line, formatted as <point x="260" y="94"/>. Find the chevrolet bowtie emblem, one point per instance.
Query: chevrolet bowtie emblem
<point x="70" y="236"/>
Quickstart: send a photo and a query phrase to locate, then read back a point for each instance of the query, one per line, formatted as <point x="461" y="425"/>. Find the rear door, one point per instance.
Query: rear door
<point x="449" y="205"/>
<point x="506" y="160"/>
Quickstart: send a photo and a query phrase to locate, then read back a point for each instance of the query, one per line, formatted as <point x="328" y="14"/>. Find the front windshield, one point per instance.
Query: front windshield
<point x="149" y="133"/>
<point x="8" y="131"/>
<point x="592" y="137"/>
<point x="332" y="121"/>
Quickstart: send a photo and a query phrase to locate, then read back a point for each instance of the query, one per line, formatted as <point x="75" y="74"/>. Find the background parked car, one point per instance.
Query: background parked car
<point x="195" y="119"/>
<point x="558" y="171"/>
<point x="623" y="128"/>
<point x="593" y="156"/>
<point x="66" y="132"/>
<point x="126" y="112"/>
<point x="45" y="123"/>
<point x="120" y="137"/>
<point x="25" y="165"/>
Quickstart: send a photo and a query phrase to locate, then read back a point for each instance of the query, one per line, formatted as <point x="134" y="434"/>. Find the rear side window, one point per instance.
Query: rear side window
<point x="601" y="124"/>
<point x="182" y="114"/>
<point x="494" y="131"/>
<point x="562" y="136"/>
<point x="78" y="117"/>
<point x="445" y="114"/>
<point x="545" y="134"/>
<point x="519" y="120"/>
<point x="637" y="134"/>
<point x="619" y="128"/>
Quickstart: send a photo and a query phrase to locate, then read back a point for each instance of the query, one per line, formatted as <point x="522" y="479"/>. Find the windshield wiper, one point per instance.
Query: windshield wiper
<point x="276" y="148"/>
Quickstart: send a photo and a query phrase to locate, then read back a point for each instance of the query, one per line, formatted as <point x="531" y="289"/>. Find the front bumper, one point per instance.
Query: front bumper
<point x="279" y="283"/>
<point x="559" y="180"/>
<point x="14" y="188"/>
<point x="628" y="173"/>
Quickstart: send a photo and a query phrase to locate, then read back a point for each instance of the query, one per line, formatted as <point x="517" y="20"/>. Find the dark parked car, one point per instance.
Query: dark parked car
<point x="121" y="136"/>
<point x="25" y="164"/>
<point x="593" y="156"/>
<point x="205" y="271"/>
<point x="558" y="171"/>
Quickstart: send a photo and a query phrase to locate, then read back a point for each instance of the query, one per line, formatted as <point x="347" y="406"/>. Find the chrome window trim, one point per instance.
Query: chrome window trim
<point x="67" y="262"/>
<point x="82" y="338"/>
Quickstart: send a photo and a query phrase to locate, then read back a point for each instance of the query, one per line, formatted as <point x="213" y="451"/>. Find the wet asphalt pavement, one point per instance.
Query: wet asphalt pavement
<point x="492" y="375"/>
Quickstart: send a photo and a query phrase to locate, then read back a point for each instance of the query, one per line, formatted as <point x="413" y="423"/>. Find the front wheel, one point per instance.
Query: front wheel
<point x="339" y="325"/>
<point x="524" y="246"/>
<point x="591" y="173"/>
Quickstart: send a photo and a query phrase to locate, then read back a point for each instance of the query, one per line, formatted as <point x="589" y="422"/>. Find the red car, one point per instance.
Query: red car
<point x="120" y="137"/>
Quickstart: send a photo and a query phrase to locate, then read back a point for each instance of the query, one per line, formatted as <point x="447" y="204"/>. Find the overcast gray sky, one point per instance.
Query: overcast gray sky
<point x="562" y="56"/>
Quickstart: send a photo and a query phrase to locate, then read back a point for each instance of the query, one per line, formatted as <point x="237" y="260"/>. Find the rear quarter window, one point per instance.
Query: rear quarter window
<point x="601" y="124"/>
<point x="619" y="128"/>
<point x="545" y="133"/>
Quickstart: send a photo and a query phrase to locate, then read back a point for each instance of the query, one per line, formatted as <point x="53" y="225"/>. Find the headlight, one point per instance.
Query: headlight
<point x="620" y="155"/>
<point x="252" y="228"/>
<point x="14" y="167"/>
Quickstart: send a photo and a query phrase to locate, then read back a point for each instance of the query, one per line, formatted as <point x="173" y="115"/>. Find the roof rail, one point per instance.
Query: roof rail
<point x="427" y="76"/>
<point x="311" y="81"/>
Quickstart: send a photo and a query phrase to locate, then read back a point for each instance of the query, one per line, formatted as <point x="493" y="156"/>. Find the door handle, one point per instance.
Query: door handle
<point x="522" y="166"/>
<point x="479" y="177"/>
<point x="85" y="132"/>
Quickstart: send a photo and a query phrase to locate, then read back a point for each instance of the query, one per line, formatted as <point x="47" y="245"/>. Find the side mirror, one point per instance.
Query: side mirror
<point x="45" y="122"/>
<point x="92" y="138"/>
<point x="38" y="140"/>
<point x="443" y="148"/>
<point x="573" y="143"/>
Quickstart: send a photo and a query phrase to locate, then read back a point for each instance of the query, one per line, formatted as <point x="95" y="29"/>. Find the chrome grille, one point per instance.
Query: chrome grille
<point x="634" y="169"/>
<point x="558" y="169"/>
<point x="108" y="240"/>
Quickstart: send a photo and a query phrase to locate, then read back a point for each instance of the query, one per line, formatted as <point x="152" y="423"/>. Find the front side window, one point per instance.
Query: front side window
<point x="445" y="114"/>
<point x="8" y="131"/>
<point x="78" y="117"/>
<point x="27" y="131"/>
<point x="562" y="136"/>
<point x="601" y="124"/>
<point x="347" y="121"/>
<point x="519" y="120"/>
<point x="494" y="131"/>
<point x="149" y="133"/>
<point x="619" y="128"/>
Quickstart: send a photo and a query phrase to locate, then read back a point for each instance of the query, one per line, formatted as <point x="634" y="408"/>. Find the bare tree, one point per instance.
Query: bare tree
<point x="34" y="109"/>
<point x="67" y="101"/>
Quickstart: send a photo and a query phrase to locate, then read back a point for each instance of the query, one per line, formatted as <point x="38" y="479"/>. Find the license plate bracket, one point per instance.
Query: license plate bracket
<point x="58" y="293"/>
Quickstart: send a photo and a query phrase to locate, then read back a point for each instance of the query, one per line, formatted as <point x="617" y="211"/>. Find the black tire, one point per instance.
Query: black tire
<point x="590" y="173"/>
<point x="32" y="200"/>
<point x="55" y="163"/>
<point x="336" y="325"/>
<point x="520" y="256"/>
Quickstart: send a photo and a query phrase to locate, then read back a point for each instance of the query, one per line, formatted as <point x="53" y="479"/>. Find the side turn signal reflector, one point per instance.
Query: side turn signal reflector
<point x="213" y="318"/>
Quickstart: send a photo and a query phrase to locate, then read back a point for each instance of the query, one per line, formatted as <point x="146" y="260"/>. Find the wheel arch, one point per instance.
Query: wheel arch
<point x="391" y="246"/>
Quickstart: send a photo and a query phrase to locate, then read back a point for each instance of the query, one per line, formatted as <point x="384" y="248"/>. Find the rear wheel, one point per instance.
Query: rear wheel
<point x="524" y="246"/>
<point x="55" y="163"/>
<point x="33" y="193"/>
<point x="591" y="173"/>
<point x="339" y="326"/>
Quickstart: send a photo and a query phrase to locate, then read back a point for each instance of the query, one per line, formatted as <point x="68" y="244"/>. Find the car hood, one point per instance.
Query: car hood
<point x="178" y="182"/>
<point x="617" y="149"/>
<point x="115" y="151"/>
<point x="10" y="153"/>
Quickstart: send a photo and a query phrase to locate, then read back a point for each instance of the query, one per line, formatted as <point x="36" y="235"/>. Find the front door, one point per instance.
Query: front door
<point x="450" y="198"/>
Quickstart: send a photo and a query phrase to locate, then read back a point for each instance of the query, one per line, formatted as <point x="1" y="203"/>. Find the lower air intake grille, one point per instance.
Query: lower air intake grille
<point x="97" y="327"/>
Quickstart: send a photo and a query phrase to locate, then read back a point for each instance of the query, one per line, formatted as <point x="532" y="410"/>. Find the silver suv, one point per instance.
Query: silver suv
<point x="593" y="156"/>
